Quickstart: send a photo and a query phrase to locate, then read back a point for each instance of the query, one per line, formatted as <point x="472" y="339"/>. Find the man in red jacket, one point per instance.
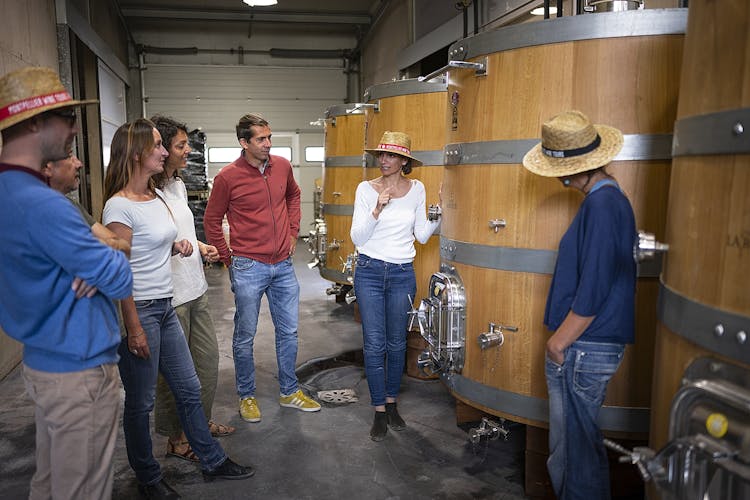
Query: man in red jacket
<point x="261" y="200"/>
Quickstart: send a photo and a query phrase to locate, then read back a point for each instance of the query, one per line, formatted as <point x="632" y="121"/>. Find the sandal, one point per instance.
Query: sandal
<point x="188" y="455"/>
<point x="219" y="430"/>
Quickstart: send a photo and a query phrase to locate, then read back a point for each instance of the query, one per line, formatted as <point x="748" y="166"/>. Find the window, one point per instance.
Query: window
<point x="228" y="155"/>
<point x="314" y="154"/>
<point x="223" y="155"/>
<point x="283" y="151"/>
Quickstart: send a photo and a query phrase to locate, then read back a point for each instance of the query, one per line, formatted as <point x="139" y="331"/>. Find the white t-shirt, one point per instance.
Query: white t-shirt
<point x="390" y="237"/>
<point x="187" y="272"/>
<point x="154" y="233"/>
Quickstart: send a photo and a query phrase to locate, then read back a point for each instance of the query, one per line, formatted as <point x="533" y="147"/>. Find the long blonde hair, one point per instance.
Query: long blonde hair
<point x="133" y="139"/>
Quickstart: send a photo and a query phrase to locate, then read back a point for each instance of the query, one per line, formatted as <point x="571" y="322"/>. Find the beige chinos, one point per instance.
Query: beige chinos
<point x="76" y="417"/>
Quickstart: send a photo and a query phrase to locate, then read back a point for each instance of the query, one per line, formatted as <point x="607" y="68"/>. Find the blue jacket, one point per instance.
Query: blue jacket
<point x="595" y="273"/>
<point x="45" y="244"/>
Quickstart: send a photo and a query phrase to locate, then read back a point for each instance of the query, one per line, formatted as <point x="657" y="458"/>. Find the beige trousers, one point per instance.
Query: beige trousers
<point x="76" y="425"/>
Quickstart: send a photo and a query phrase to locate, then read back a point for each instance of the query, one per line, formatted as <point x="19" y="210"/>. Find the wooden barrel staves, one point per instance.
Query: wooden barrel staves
<point x="502" y="224"/>
<point x="418" y="109"/>
<point x="342" y="172"/>
<point x="704" y="306"/>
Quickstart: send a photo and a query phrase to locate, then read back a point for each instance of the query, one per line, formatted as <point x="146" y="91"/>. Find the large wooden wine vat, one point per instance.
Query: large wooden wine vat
<point x="342" y="172"/>
<point x="418" y="109"/>
<point x="502" y="224"/>
<point x="704" y="306"/>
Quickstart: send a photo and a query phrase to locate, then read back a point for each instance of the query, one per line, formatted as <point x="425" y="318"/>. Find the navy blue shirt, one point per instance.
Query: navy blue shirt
<point x="595" y="272"/>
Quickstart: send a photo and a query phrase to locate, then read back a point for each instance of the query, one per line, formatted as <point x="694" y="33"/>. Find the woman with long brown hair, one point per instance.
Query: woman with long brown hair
<point x="154" y="342"/>
<point x="190" y="298"/>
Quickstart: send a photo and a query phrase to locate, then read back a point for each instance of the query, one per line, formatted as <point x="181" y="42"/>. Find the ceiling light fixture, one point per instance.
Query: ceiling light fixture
<point x="539" y="11"/>
<point x="260" y="3"/>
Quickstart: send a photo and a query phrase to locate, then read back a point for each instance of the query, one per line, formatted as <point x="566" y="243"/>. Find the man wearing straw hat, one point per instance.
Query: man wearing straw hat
<point x="591" y="302"/>
<point x="57" y="283"/>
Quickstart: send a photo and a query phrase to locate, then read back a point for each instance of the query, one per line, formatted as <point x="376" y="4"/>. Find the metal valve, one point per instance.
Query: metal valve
<point x="496" y="224"/>
<point x="639" y="457"/>
<point x="434" y="212"/>
<point x="334" y="244"/>
<point x="648" y="247"/>
<point x="495" y="336"/>
<point x="490" y="429"/>
<point x="347" y="265"/>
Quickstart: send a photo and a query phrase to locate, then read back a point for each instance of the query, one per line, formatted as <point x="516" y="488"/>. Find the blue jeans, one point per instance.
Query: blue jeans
<point x="250" y="280"/>
<point x="577" y="462"/>
<point x="170" y="356"/>
<point x="385" y="292"/>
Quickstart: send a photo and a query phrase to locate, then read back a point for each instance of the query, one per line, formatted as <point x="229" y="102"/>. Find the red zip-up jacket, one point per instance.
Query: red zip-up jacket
<point x="263" y="211"/>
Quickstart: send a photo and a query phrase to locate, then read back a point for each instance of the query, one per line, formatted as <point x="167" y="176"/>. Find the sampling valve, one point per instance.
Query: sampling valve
<point x="495" y="336"/>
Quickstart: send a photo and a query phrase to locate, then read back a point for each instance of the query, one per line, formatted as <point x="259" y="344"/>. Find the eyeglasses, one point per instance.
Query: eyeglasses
<point x="68" y="115"/>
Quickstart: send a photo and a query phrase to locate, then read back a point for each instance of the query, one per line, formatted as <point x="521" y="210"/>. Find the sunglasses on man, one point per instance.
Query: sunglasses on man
<point x="68" y="115"/>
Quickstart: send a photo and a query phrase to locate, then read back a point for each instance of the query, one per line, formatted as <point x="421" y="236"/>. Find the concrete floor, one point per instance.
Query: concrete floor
<point x="298" y="455"/>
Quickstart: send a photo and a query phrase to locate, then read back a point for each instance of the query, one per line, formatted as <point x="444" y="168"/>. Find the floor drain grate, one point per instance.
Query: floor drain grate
<point x="338" y="396"/>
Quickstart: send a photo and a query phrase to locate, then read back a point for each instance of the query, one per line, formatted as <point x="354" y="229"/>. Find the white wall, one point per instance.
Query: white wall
<point x="289" y="98"/>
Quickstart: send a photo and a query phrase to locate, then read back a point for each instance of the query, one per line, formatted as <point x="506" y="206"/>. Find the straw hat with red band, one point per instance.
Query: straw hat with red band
<point x="571" y="144"/>
<point x="395" y="142"/>
<point x="31" y="91"/>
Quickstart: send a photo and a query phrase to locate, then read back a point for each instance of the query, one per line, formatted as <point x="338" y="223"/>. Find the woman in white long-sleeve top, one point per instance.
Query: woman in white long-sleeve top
<point x="389" y="213"/>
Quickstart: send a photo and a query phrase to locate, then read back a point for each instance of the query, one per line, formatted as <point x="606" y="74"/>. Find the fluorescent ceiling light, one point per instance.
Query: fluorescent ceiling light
<point x="539" y="11"/>
<point x="260" y="3"/>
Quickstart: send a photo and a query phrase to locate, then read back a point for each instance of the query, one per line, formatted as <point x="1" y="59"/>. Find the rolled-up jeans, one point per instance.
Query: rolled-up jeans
<point x="170" y="356"/>
<point x="251" y="279"/>
<point x="577" y="462"/>
<point x="385" y="292"/>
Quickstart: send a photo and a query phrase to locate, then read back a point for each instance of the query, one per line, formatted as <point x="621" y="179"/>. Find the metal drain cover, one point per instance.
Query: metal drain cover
<point x="338" y="396"/>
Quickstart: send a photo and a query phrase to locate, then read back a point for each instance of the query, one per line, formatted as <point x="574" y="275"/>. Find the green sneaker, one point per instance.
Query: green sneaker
<point x="249" y="410"/>
<point x="300" y="401"/>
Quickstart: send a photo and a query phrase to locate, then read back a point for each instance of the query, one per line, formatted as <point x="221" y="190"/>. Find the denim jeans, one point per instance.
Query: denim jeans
<point x="577" y="462"/>
<point x="385" y="292"/>
<point x="198" y="328"/>
<point x="170" y="356"/>
<point x="250" y="280"/>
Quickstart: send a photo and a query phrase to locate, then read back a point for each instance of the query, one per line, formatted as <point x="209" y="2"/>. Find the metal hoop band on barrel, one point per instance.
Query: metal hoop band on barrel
<point x="333" y="209"/>
<point x="611" y="418"/>
<point x="524" y="260"/>
<point x="718" y="133"/>
<point x="713" y="329"/>
<point x="635" y="147"/>
<point x="347" y="161"/>
<point x="333" y="275"/>
<point x="567" y="29"/>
